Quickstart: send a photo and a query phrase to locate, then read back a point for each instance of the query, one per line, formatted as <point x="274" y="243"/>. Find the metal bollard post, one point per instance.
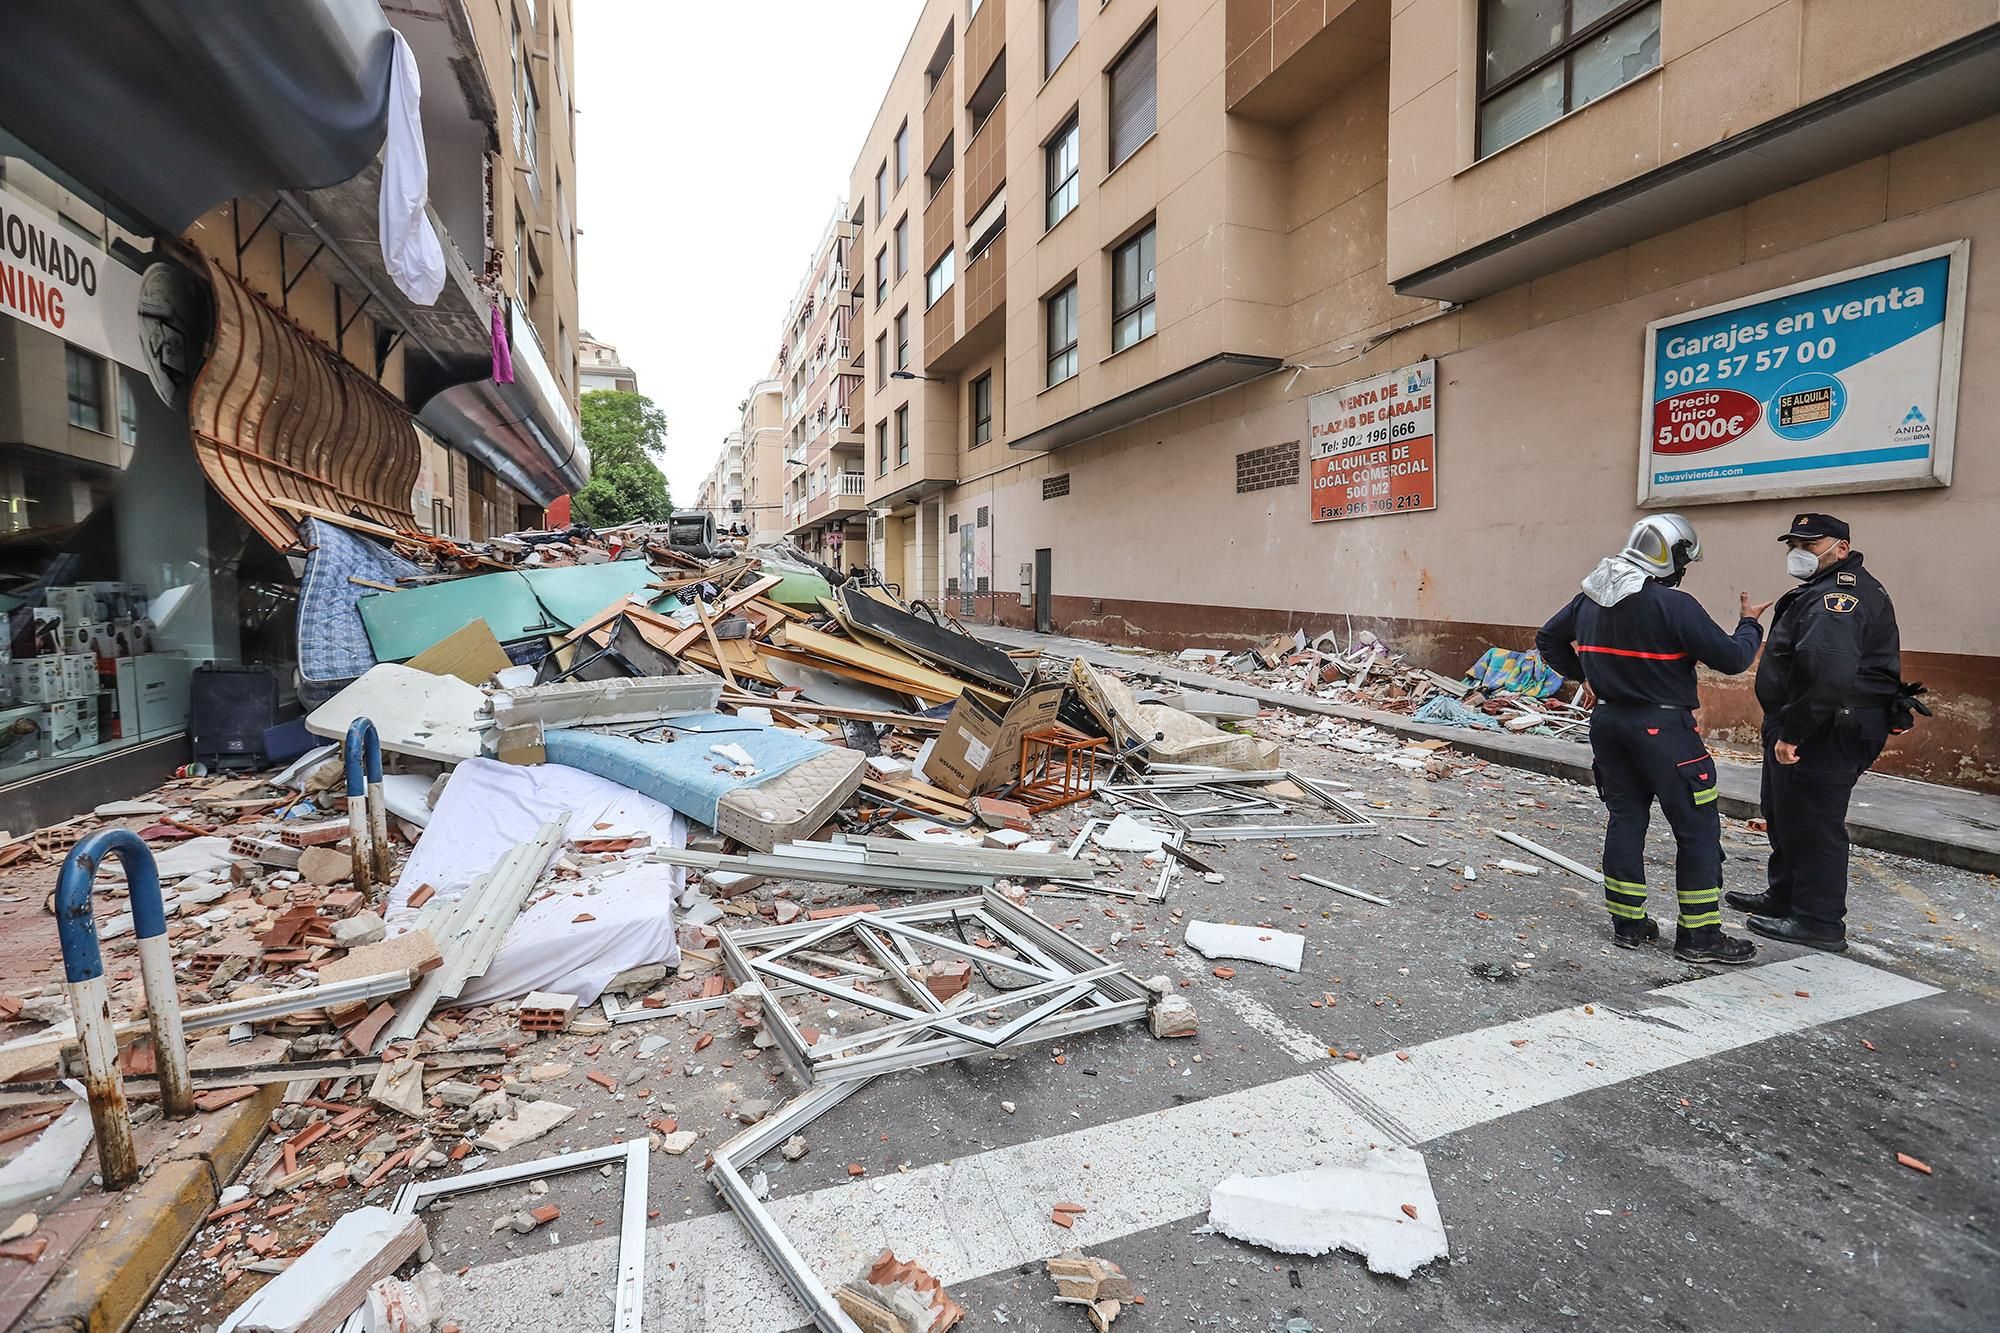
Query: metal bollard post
<point x="90" y="998"/>
<point x="367" y="811"/>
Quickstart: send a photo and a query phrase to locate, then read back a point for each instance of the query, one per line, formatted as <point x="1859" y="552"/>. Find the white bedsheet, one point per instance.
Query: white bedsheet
<point x="487" y="807"/>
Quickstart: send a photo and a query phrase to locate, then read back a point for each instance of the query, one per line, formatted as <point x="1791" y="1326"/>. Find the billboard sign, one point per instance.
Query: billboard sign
<point x="1843" y="383"/>
<point x="1374" y="445"/>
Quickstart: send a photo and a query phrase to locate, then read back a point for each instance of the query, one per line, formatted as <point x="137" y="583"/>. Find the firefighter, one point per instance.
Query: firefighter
<point x="1634" y="639"/>
<point x="1830" y="685"/>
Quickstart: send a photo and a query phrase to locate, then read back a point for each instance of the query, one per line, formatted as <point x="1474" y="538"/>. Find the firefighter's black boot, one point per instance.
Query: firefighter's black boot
<point x="1628" y="934"/>
<point x="1707" y="944"/>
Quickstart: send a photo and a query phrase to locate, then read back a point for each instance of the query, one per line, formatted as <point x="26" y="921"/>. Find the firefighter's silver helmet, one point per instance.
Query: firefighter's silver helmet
<point x="1663" y="545"/>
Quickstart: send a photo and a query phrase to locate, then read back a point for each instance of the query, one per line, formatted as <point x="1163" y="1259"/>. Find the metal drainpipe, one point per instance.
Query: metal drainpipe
<point x="367" y="812"/>
<point x="89" y="997"/>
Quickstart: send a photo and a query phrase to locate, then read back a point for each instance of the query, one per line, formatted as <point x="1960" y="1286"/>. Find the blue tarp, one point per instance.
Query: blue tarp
<point x="683" y="773"/>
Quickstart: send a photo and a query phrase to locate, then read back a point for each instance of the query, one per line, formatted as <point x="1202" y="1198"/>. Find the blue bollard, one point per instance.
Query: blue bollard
<point x="367" y="812"/>
<point x="90" y="998"/>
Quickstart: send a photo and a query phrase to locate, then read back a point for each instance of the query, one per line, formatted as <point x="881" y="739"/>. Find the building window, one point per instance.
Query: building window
<point x="1542" y="59"/>
<point x="128" y="408"/>
<point x="902" y="154"/>
<point x="1135" y="98"/>
<point x="1132" y="291"/>
<point x="902" y="245"/>
<point x="881" y="275"/>
<point x="1054" y="488"/>
<point x="86" y="389"/>
<point x="1062" y="334"/>
<point x="902" y="435"/>
<point x="903" y="338"/>
<point x="1273" y="465"/>
<point x="1058" y="33"/>
<point x="882" y="195"/>
<point x="938" y="281"/>
<point x="881" y="360"/>
<point x="982" y="411"/>
<point x="1061" y="155"/>
<point x="881" y="448"/>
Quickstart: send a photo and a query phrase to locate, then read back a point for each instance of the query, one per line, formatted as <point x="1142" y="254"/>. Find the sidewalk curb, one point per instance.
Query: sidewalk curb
<point x="1564" y="759"/>
<point x="111" y="1276"/>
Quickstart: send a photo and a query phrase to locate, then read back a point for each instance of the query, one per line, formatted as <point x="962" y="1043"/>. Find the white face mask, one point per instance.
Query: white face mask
<point x="1801" y="563"/>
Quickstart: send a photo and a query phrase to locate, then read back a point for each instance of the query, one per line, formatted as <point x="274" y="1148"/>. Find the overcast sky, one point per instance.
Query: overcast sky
<point x="713" y="142"/>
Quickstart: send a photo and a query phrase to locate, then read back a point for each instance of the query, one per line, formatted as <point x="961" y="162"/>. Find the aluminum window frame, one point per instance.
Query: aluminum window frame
<point x="1062" y="149"/>
<point x="903" y="436"/>
<point x="900" y="155"/>
<point x="935" y="289"/>
<point x="982" y="417"/>
<point x="1146" y="242"/>
<point x="903" y="338"/>
<point x="630" y="1287"/>
<point x="901" y="246"/>
<point x="1573" y="41"/>
<point x="1066" y="300"/>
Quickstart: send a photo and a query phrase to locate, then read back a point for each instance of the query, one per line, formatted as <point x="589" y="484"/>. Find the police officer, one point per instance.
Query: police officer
<point x="1635" y="638"/>
<point x="1829" y="677"/>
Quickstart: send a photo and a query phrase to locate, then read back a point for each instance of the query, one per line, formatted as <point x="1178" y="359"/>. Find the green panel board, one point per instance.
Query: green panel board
<point x="515" y="604"/>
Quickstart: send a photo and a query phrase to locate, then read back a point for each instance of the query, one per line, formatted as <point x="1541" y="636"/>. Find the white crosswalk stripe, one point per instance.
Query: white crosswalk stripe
<point x="985" y="1213"/>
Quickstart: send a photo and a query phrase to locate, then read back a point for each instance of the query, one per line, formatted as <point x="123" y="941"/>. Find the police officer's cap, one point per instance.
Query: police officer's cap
<point x="1807" y="527"/>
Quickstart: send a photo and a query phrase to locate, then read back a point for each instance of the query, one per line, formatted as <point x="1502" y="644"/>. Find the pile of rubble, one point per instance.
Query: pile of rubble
<point x="1503" y="690"/>
<point x="743" y="799"/>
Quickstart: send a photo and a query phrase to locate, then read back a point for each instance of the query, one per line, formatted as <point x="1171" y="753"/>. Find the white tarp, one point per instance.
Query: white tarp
<point x="410" y="249"/>
<point x="483" y="811"/>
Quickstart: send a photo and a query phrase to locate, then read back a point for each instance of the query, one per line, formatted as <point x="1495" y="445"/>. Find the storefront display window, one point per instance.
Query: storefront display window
<point x="121" y="573"/>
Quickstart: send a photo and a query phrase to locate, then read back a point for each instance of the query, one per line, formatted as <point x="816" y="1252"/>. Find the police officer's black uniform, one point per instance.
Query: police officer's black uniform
<point x="1830" y="673"/>
<point x="1639" y="657"/>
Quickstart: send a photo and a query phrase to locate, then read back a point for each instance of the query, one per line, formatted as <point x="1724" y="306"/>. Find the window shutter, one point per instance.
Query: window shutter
<point x="1059" y="33"/>
<point x="1134" y="96"/>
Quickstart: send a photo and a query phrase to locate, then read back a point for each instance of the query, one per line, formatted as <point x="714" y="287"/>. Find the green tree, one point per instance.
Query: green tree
<point x="627" y="434"/>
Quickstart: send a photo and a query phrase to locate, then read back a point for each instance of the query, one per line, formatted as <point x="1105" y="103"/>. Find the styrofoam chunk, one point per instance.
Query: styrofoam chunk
<point x="1126" y="834"/>
<point x="1358" y="1206"/>
<point x="1278" y="948"/>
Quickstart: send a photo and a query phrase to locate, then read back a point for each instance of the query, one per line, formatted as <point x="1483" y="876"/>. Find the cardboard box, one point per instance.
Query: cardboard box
<point x="79" y="675"/>
<point x="21" y="739"/>
<point x="76" y="603"/>
<point x="980" y="750"/>
<point x="161" y="685"/>
<point x="62" y="725"/>
<point x="38" y="680"/>
<point x="81" y="636"/>
<point x="47" y="641"/>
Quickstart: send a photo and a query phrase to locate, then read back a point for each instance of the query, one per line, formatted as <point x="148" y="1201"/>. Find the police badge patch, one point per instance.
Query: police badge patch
<point x="1840" y="603"/>
<point x="1846" y="580"/>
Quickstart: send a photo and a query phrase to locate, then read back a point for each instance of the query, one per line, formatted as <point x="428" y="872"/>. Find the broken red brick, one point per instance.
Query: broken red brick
<point x="1063" y="1220"/>
<point x="27" y="1251"/>
<point x="604" y="1081"/>
<point x="580" y="918"/>
<point x="1904" y="1159"/>
<point x="704" y="1041"/>
<point x="217" y="1098"/>
<point x="856" y="1169"/>
<point x="545" y="1214"/>
<point x="1225" y="972"/>
<point x="422" y="895"/>
<point x="1410" y="1211"/>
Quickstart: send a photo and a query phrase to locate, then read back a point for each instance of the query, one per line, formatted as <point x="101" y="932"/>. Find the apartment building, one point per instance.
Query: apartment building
<point x="598" y="366"/>
<point x="745" y="487"/>
<point x="820" y="366"/>
<point x="223" y="339"/>
<point x="1197" y="322"/>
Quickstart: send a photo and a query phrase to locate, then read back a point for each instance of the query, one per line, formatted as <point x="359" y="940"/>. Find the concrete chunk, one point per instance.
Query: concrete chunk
<point x="530" y="1121"/>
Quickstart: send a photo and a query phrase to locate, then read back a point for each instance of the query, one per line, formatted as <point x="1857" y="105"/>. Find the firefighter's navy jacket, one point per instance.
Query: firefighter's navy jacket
<point x="1834" y="648"/>
<point x="1643" y="649"/>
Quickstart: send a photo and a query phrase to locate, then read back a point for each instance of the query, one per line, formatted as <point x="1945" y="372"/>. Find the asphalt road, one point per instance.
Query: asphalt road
<point x="1681" y="1165"/>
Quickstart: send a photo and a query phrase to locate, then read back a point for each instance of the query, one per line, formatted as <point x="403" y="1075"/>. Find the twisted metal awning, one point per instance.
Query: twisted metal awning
<point x="277" y="415"/>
